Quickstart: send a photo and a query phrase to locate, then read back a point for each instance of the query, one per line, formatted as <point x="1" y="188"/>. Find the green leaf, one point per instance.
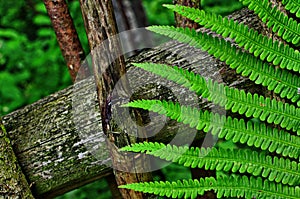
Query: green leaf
<point x="261" y="46"/>
<point x="232" y="99"/>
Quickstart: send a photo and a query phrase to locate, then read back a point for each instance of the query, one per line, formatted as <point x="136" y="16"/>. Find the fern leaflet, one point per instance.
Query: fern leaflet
<point x="253" y="134"/>
<point x="224" y="186"/>
<point x="272" y="111"/>
<point x="242" y="161"/>
<point x="286" y="27"/>
<point x="251" y="40"/>
<point x="293" y="6"/>
<point x="281" y="81"/>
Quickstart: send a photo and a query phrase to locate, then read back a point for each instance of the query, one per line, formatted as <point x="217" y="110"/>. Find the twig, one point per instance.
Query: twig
<point x="67" y="36"/>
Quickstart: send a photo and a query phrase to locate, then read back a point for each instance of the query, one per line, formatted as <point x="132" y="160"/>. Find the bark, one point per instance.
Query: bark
<point x="130" y="15"/>
<point x="13" y="183"/>
<point x="58" y="140"/>
<point x="109" y="67"/>
<point x="183" y="21"/>
<point x="66" y="35"/>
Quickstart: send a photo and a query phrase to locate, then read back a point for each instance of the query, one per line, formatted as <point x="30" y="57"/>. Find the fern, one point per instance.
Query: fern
<point x="278" y="80"/>
<point x="293" y="6"/>
<point x="232" y="186"/>
<point x="285" y="27"/>
<point x="273" y="169"/>
<point x="257" y="44"/>
<point x="272" y="111"/>
<point x="242" y="161"/>
<point x="253" y="134"/>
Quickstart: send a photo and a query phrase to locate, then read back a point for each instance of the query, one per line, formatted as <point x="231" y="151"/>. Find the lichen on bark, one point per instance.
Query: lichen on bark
<point x="13" y="183"/>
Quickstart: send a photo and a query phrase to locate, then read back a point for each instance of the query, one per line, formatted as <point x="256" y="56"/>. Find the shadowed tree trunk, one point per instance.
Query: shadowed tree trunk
<point x="129" y="14"/>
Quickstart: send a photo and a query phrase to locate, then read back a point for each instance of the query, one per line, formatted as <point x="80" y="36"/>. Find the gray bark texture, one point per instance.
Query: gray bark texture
<point x="109" y="66"/>
<point x="58" y="140"/>
<point x="130" y="15"/>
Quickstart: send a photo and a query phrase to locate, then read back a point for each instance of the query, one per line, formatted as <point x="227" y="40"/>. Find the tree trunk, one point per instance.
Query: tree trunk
<point x="58" y="140"/>
<point x="131" y="15"/>
<point x="109" y="67"/>
<point x="183" y="21"/>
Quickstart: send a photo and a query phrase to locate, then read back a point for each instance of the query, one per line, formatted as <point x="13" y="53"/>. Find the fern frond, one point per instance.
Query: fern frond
<point x="261" y="46"/>
<point x="281" y="81"/>
<point x="272" y="111"/>
<point x="242" y="161"/>
<point x="293" y="6"/>
<point x="185" y="188"/>
<point x="253" y="134"/>
<point x="285" y="27"/>
<point x="224" y="186"/>
<point x="143" y="147"/>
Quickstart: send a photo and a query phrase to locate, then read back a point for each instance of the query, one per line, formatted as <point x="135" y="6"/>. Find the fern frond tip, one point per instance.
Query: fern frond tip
<point x="125" y="105"/>
<point x="169" y="6"/>
<point x="136" y="64"/>
<point x="124" y="186"/>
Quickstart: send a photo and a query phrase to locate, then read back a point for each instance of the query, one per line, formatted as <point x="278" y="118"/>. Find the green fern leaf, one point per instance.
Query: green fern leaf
<point x="285" y="27"/>
<point x="272" y="111"/>
<point x="242" y="161"/>
<point x="293" y="6"/>
<point x="281" y="81"/>
<point x="179" y="189"/>
<point x="224" y="186"/>
<point x="143" y="147"/>
<point x="271" y="176"/>
<point x="251" y="40"/>
<point x="253" y="134"/>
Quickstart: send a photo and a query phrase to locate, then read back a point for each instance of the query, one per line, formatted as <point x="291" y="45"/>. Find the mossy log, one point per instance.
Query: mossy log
<point x="60" y="149"/>
<point x="13" y="183"/>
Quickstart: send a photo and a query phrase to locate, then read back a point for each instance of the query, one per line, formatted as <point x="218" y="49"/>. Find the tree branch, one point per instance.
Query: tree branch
<point x="66" y="35"/>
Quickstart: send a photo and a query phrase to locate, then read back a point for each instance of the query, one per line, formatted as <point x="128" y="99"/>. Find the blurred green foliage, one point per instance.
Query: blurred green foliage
<point x="157" y="14"/>
<point x="32" y="67"/>
<point x="95" y="190"/>
<point x="222" y="7"/>
<point x="31" y="64"/>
